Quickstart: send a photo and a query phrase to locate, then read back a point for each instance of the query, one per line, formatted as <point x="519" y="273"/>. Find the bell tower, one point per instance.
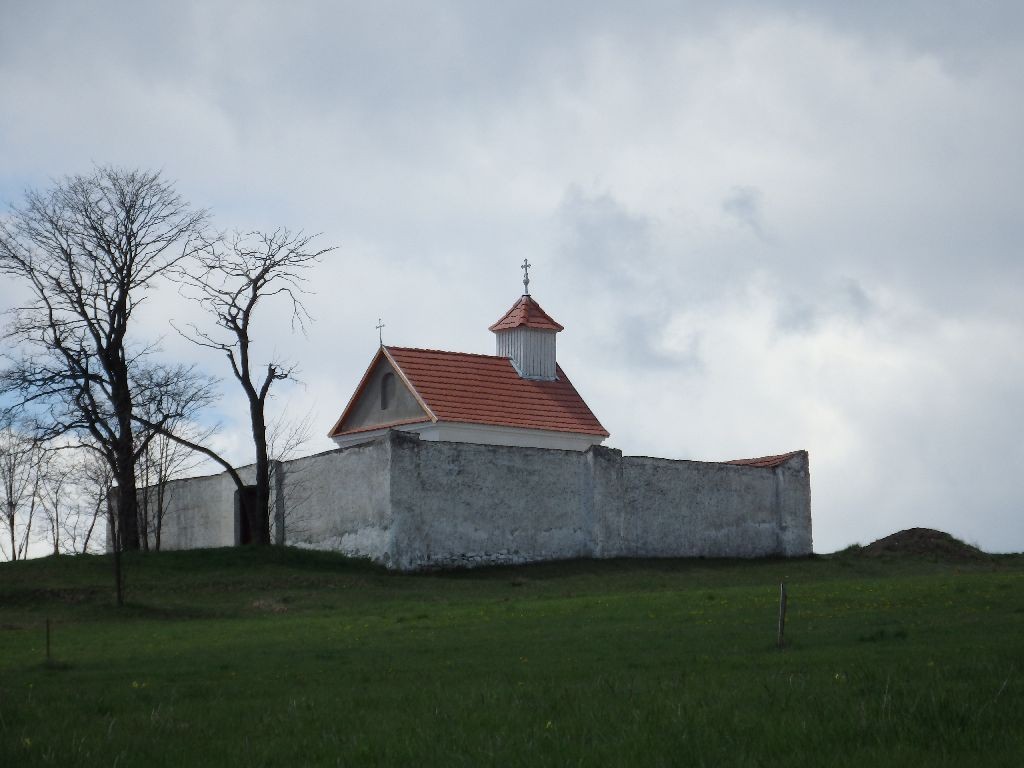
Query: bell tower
<point x="526" y="335"/>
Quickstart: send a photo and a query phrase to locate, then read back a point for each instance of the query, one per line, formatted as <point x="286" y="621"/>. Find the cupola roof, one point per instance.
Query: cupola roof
<point x="526" y="313"/>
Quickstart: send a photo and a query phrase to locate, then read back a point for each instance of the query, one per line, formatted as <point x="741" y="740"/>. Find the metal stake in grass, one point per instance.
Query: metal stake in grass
<point x="48" y="641"/>
<point x="782" y="614"/>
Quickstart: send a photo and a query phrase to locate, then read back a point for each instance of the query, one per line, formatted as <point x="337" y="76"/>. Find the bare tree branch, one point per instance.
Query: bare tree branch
<point x="21" y="471"/>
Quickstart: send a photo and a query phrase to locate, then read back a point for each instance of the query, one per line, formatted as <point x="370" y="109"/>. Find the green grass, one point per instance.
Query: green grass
<point x="281" y="657"/>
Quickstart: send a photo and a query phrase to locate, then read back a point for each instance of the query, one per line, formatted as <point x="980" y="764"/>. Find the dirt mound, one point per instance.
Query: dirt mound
<point x="924" y="542"/>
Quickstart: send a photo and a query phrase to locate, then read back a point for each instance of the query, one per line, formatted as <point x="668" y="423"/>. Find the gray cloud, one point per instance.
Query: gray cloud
<point x="744" y="204"/>
<point x="612" y="258"/>
<point x="607" y="244"/>
<point x="845" y="300"/>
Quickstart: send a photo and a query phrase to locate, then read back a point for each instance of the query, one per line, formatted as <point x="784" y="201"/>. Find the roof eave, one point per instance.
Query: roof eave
<point x="388" y="425"/>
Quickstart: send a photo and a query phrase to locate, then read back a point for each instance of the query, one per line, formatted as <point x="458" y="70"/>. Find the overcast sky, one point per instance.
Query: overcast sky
<point x="768" y="227"/>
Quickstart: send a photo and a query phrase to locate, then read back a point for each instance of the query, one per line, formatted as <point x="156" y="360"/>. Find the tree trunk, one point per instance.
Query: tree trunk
<point x="128" y="499"/>
<point x="145" y="476"/>
<point x="14" y="548"/>
<point x="259" y="522"/>
<point x="144" y="514"/>
<point x="113" y="520"/>
<point x="124" y="457"/>
<point x="88" y="532"/>
<point x="159" y="524"/>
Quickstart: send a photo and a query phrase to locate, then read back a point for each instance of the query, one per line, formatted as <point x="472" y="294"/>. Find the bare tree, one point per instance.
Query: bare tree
<point x="54" y="494"/>
<point x="83" y="500"/>
<point x="20" y="477"/>
<point x="234" y="277"/>
<point x="89" y="250"/>
<point x="94" y="483"/>
<point x="57" y="472"/>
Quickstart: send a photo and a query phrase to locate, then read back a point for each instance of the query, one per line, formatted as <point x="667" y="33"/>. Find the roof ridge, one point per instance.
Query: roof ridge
<point x="448" y="352"/>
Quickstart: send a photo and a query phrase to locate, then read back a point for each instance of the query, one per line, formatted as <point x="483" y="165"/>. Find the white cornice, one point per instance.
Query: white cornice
<point x="482" y="434"/>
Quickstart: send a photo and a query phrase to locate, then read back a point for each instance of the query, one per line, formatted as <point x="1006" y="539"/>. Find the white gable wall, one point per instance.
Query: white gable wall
<point x="370" y="408"/>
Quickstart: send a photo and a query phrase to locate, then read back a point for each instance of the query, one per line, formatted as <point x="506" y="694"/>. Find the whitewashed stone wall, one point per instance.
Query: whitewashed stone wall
<point x="467" y="504"/>
<point x="412" y="504"/>
<point x="199" y="514"/>
<point x="705" y="509"/>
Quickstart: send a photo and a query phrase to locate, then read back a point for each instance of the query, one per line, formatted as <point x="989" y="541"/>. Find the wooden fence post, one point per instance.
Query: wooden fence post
<point x="782" y="614"/>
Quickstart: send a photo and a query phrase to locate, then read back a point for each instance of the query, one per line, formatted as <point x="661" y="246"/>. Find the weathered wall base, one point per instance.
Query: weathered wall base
<point x="412" y="504"/>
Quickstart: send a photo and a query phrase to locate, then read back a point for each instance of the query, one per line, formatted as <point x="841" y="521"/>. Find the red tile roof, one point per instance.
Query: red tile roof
<point x="526" y="312"/>
<point x="485" y="389"/>
<point x="769" y="462"/>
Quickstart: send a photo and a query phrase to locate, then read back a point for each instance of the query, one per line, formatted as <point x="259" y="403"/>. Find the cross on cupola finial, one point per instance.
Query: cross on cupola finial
<point x="526" y="277"/>
<point x="380" y="331"/>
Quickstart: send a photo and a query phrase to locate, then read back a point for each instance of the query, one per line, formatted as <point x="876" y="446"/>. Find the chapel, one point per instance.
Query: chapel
<point x="452" y="460"/>
<point x="520" y="396"/>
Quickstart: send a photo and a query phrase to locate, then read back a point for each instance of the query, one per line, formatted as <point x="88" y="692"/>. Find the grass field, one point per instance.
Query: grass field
<point x="280" y="657"/>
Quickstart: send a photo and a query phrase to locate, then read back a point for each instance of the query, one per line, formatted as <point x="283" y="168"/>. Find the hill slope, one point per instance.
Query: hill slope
<point x="283" y="657"/>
